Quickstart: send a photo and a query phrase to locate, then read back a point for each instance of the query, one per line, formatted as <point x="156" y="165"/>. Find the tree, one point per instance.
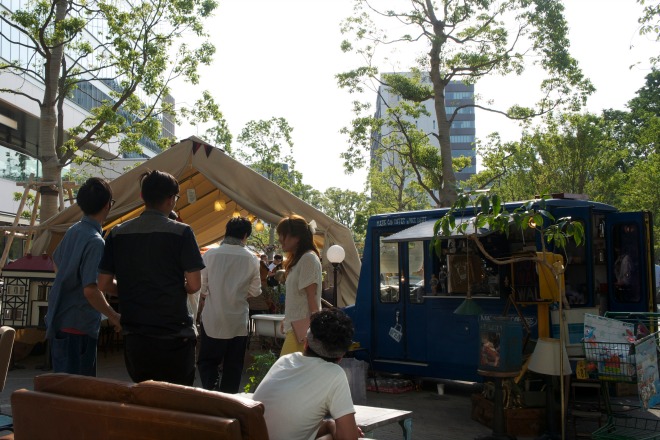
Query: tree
<point x="128" y="49"/>
<point x="462" y="41"/>
<point x="267" y="148"/>
<point x="650" y="21"/>
<point x="572" y="153"/>
<point x="346" y="207"/>
<point x="392" y="185"/>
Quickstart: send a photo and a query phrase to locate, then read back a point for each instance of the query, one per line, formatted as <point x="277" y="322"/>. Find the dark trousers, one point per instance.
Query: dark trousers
<point x="73" y="354"/>
<point x="167" y="360"/>
<point x="228" y="352"/>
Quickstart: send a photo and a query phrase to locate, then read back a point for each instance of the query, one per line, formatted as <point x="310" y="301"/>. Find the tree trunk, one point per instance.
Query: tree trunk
<point x="447" y="192"/>
<point x="52" y="169"/>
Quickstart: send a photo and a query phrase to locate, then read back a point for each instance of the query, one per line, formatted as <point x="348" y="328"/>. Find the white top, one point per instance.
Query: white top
<point x="231" y="274"/>
<point x="298" y="392"/>
<point x="307" y="271"/>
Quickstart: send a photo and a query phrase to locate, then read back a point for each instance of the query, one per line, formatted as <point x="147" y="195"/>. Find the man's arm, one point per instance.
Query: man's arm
<point x="254" y="289"/>
<point x="193" y="281"/>
<point x="346" y="428"/>
<point x="97" y="300"/>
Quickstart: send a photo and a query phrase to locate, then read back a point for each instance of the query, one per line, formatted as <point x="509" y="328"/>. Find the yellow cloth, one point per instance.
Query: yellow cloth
<point x="291" y="344"/>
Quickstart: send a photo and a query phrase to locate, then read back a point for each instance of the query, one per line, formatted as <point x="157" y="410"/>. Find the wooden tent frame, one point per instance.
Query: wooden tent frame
<point x="30" y="230"/>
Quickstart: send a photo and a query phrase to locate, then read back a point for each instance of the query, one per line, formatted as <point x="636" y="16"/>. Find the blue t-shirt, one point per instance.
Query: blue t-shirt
<point x="77" y="259"/>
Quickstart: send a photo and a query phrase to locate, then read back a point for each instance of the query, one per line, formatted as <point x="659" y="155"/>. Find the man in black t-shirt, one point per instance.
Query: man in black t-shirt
<point x="155" y="263"/>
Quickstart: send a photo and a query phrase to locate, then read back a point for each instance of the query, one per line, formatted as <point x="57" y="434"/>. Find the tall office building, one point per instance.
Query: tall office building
<point x="462" y="131"/>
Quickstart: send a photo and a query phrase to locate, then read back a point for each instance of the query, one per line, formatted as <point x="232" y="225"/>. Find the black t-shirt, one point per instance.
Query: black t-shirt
<point x="148" y="256"/>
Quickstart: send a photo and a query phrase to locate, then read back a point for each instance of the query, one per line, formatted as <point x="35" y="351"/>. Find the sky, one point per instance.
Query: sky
<point x="279" y="58"/>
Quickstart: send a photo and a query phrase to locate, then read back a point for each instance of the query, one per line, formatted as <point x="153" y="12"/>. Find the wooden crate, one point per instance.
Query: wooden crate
<point x="523" y="422"/>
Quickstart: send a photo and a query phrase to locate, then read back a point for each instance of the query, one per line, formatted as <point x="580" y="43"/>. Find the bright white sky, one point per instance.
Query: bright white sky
<point x="279" y="58"/>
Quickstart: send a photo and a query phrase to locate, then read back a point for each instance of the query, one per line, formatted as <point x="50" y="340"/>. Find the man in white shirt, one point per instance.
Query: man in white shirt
<point x="301" y="389"/>
<point x="230" y="276"/>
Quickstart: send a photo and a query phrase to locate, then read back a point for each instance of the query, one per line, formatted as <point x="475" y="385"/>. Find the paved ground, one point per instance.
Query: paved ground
<point x="435" y="416"/>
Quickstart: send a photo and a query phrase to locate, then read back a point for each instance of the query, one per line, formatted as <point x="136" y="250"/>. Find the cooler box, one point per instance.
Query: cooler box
<point x="500" y="347"/>
<point x="573" y="328"/>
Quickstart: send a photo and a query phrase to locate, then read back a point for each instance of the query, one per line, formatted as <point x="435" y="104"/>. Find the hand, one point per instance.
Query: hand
<point x="114" y="321"/>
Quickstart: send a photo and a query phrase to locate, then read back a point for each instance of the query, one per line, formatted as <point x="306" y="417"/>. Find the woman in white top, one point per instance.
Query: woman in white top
<point x="303" y="276"/>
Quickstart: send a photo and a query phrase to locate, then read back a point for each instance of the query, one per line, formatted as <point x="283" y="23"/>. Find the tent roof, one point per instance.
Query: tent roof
<point x="209" y="174"/>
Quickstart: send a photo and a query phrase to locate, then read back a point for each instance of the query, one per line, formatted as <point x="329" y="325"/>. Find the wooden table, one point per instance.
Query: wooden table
<point x="368" y="418"/>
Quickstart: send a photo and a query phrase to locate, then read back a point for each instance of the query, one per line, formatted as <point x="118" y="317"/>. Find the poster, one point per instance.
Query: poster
<point x="648" y="379"/>
<point x="608" y="347"/>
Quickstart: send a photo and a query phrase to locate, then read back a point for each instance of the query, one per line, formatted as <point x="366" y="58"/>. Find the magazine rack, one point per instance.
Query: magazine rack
<point x="619" y="362"/>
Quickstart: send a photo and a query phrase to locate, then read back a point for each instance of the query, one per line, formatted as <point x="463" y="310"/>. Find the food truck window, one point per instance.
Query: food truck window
<point x="627" y="287"/>
<point x="389" y="272"/>
<point x="416" y="269"/>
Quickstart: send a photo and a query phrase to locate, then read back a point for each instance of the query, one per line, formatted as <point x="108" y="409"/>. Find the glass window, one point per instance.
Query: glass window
<point x="626" y="241"/>
<point x="416" y="269"/>
<point x="389" y="272"/>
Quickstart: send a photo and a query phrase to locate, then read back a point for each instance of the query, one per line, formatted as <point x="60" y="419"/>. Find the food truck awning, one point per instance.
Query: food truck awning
<point x="424" y="231"/>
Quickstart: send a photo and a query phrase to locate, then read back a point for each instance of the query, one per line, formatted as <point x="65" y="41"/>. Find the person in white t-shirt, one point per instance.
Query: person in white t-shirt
<point x="301" y="389"/>
<point x="303" y="276"/>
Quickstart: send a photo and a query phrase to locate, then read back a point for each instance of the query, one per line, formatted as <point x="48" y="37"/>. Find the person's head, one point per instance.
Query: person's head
<point x="278" y="259"/>
<point x="330" y="334"/>
<point x="296" y="238"/>
<point x="264" y="258"/>
<point x="94" y="195"/>
<point x="239" y="227"/>
<point x="159" y="189"/>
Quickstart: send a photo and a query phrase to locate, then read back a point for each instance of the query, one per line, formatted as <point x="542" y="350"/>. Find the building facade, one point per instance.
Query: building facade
<point x="19" y="115"/>
<point x="462" y="131"/>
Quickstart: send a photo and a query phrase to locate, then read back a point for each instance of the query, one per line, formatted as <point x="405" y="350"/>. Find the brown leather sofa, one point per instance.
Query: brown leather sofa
<point x="71" y="407"/>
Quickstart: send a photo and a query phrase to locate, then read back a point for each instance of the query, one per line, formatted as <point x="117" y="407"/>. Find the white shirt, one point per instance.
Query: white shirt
<point x="307" y="271"/>
<point x="231" y="274"/>
<point x="298" y="391"/>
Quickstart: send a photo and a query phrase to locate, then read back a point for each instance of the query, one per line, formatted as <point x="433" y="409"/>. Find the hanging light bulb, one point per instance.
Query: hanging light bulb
<point x="219" y="205"/>
<point x="251" y="218"/>
<point x="259" y="226"/>
<point x="236" y="213"/>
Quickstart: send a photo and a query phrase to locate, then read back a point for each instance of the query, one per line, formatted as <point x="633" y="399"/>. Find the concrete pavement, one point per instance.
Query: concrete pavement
<point x="435" y="416"/>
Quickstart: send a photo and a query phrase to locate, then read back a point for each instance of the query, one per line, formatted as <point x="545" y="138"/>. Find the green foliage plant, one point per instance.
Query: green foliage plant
<point x="261" y="363"/>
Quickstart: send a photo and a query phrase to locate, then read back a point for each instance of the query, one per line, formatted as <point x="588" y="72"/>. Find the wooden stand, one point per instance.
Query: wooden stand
<point x="499" y="433"/>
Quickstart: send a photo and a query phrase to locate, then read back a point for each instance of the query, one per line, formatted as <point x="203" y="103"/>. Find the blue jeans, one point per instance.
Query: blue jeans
<point x="73" y="354"/>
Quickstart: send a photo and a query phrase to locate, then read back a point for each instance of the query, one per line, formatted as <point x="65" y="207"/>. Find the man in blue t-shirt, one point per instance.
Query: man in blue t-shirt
<point x="75" y="303"/>
<point x="155" y="263"/>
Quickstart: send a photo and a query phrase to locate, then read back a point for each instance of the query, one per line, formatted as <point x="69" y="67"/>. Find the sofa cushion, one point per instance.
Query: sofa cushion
<point x="40" y="415"/>
<point x="84" y="387"/>
<point x="165" y="395"/>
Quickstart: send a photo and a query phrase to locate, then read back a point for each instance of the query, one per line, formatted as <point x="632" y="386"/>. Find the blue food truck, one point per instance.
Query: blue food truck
<point x="408" y="292"/>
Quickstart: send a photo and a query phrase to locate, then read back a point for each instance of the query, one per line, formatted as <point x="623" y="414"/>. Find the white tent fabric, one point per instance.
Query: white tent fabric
<point x="213" y="176"/>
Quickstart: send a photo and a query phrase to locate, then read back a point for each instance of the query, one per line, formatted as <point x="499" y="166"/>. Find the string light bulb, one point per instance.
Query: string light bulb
<point x="219" y="205"/>
<point x="251" y="218"/>
<point x="236" y="213"/>
<point x="259" y="226"/>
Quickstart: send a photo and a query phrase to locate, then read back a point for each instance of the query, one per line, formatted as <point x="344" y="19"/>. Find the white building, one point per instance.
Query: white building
<point x="19" y="119"/>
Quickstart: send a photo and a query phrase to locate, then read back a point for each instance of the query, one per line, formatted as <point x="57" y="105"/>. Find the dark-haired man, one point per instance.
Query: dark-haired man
<point x="156" y="264"/>
<point x="75" y="303"/>
<point x="300" y="389"/>
<point x="230" y="277"/>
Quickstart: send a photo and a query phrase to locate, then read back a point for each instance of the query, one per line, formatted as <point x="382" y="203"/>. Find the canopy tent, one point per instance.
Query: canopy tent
<point x="207" y="175"/>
